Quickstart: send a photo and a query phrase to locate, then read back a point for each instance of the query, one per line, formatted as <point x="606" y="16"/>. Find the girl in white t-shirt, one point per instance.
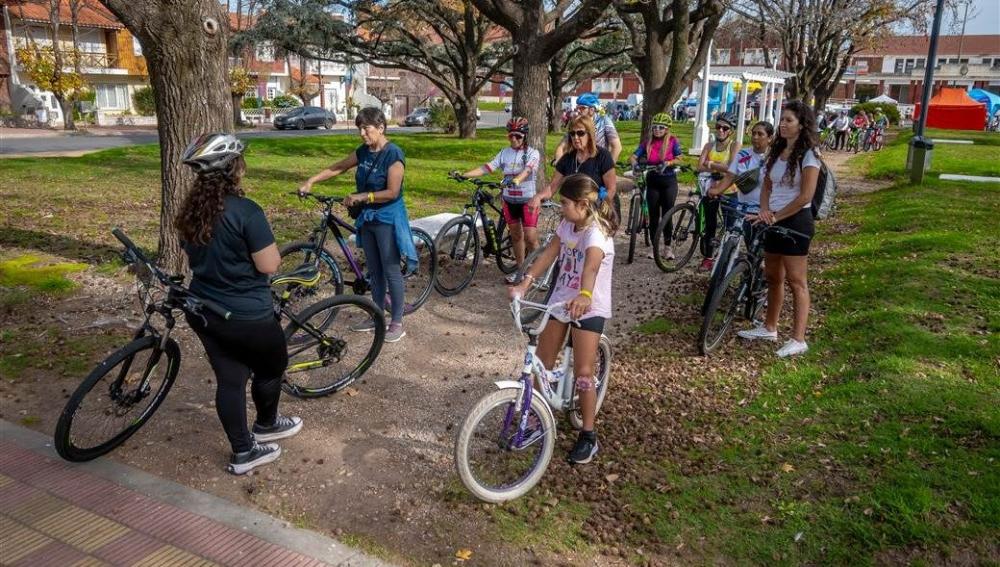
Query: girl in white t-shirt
<point x="584" y="247"/>
<point x="790" y="175"/>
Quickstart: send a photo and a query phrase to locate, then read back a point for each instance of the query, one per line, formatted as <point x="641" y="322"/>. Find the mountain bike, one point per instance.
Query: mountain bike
<point x="460" y="247"/>
<point x="418" y="281"/>
<point x="638" y="214"/>
<point x="874" y="139"/>
<point x="682" y="228"/>
<point x="505" y="442"/>
<point x="854" y="140"/>
<point x="124" y="391"/>
<point x="742" y="291"/>
<point x="828" y="138"/>
<point x="729" y="247"/>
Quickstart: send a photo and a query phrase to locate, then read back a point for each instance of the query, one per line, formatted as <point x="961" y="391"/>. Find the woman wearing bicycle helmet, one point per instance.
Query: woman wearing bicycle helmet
<point x="715" y="159"/>
<point x="231" y="251"/>
<point x="661" y="147"/>
<point x="518" y="163"/>
<point x="383" y="227"/>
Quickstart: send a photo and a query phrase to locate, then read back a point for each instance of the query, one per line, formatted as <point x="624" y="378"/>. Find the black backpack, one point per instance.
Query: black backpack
<point x="826" y="192"/>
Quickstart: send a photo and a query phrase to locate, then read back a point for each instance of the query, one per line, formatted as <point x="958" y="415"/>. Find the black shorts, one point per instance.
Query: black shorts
<point x="592" y="324"/>
<point x="788" y="245"/>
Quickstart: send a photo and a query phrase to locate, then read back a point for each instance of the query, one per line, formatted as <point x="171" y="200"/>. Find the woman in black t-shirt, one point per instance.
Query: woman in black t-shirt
<point x="231" y="251"/>
<point x="585" y="157"/>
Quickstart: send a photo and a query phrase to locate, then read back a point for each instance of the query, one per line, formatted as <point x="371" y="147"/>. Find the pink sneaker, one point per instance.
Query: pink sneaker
<point x="707" y="264"/>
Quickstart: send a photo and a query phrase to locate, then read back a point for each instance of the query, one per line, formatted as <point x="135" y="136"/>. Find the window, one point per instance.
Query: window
<point x="136" y="47"/>
<point x="753" y="56"/>
<point x="111" y="97"/>
<point x="265" y="52"/>
<point x="271" y="92"/>
<point x="606" y="85"/>
<point x="721" y="57"/>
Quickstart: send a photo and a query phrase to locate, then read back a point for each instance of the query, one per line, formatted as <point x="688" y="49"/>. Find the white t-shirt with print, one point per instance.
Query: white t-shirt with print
<point x="784" y="192"/>
<point x="512" y="162"/>
<point x="573" y="247"/>
<point x="745" y="160"/>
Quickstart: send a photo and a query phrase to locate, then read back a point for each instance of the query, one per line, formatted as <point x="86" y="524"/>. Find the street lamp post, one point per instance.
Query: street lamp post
<point x="921" y="149"/>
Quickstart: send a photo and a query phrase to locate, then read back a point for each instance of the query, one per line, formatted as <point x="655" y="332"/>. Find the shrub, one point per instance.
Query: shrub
<point x="285" y="101"/>
<point x="142" y="100"/>
<point x="251" y="102"/>
<point x="443" y="117"/>
<point x="890" y="110"/>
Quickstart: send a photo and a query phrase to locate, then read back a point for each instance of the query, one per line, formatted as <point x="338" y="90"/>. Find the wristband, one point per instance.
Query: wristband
<point x="587" y="293"/>
<point x="371" y="197"/>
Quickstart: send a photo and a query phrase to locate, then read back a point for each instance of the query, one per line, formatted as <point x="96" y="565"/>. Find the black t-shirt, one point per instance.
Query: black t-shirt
<point x="223" y="269"/>
<point x="595" y="166"/>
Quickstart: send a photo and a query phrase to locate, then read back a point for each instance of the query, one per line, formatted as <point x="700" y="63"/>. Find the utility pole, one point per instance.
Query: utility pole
<point x="921" y="149"/>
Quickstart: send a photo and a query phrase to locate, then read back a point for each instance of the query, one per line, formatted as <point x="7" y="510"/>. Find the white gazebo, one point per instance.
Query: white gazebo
<point x="773" y="87"/>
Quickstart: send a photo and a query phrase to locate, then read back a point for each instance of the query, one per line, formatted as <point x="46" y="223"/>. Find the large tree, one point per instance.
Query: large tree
<point x="670" y="41"/>
<point x="449" y="42"/>
<point x="818" y="38"/>
<point x="185" y="45"/>
<point x="538" y="30"/>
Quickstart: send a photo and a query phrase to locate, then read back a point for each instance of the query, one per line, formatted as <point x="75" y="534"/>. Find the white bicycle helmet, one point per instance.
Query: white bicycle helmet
<point x="212" y="152"/>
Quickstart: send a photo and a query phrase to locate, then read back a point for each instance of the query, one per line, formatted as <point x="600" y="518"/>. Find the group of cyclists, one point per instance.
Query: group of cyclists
<point x="232" y="250"/>
<point x="862" y="132"/>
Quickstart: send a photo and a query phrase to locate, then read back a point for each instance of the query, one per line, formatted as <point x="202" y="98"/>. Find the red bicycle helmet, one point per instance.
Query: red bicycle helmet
<point x="518" y="124"/>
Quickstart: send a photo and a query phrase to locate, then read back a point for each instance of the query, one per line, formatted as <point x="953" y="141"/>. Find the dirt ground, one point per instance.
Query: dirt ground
<point x="373" y="464"/>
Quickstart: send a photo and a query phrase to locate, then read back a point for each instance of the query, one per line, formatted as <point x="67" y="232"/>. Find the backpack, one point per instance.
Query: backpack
<point x="826" y="192"/>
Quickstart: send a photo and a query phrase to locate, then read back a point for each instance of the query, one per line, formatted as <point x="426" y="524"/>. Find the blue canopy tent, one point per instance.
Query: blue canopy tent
<point x="992" y="101"/>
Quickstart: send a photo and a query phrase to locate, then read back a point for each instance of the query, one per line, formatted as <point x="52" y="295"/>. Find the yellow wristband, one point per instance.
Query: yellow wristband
<point x="587" y="293"/>
<point x="371" y="197"/>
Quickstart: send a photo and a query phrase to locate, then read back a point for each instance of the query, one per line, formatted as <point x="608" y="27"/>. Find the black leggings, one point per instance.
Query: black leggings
<point x="840" y="140"/>
<point x="661" y="194"/>
<point x="235" y="349"/>
<point x="712" y="206"/>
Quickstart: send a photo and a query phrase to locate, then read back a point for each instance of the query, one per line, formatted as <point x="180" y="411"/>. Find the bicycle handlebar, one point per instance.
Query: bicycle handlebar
<point x="517" y="304"/>
<point x="325" y="199"/>
<point x="475" y="181"/>
<point x="191" y="303"/>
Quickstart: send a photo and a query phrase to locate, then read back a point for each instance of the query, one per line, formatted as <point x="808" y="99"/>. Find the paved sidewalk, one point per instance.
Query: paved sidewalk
<point x="54" y="513"/>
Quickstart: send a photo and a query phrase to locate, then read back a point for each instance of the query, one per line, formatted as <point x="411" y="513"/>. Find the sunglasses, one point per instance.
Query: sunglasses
<point x="515" y="135"/>
<point x="660" y="127"/>
<point x="578" y="133"/>
<point x="722" y="127"/>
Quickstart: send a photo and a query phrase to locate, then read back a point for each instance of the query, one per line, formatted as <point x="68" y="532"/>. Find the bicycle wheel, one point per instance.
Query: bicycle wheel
<point x="331" y="281"/>
<point x="541" y="288"/>
<point x="635" y="210"/>
<point x="672" y="249"/>
<point x="602" y="372"/>
<point x="506" y="259"/>
<point x="117" y="398"/>
<point x="331" y="344"/>
<point x="458" y="255"/>
<point x="419" y="283"/>
<point x="722" y="309"/>
<point x="726" y="251"/>
<point x="644" y="227"/>
<point x="548" y="220"/>
<point x="879" y="141"/>
<point x="493" y="461"/>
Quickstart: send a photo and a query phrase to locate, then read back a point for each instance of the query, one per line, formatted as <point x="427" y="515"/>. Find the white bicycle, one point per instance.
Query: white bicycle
<point x="506" y="441"/>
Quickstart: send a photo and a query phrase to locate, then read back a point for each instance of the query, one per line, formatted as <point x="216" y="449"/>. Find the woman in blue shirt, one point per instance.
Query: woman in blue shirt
<point x="383" y="227"/>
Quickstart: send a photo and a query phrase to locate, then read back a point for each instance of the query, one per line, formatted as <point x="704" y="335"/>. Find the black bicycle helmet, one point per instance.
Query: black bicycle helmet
<point x="212" y="152"/>
<point x="727" y="118"/>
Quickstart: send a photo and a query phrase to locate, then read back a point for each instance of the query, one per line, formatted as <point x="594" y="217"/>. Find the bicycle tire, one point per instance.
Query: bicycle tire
<point x="332" y="279"/>
<point x="635" y="209"/>
<point x="644" y="227"/>
<point x="335" y="307"/>
<point x="505" y="257"/>
<point x="503" y="400"/>
<point x="541" y="288"/>
<point x="66" y="435"/>
<point x="419" y="283"/>
<point x="710" y="336"/>
<point x="604" y="357"/>
<point x="727" y="250"/>
<point x="457" y="248"/>
<point x="684" y="230"/>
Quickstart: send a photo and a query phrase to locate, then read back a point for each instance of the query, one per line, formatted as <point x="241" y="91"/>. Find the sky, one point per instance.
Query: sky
<point x="987" y="21"/>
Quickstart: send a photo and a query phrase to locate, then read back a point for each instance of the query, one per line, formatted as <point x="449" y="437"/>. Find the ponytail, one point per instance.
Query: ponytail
<point x="581" y="187"/>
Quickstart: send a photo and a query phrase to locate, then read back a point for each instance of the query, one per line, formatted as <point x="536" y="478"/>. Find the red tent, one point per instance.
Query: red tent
<point x="954" y="109"/>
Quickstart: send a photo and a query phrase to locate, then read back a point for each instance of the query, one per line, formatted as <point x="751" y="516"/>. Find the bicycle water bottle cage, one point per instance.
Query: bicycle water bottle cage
<point x="305" y="275"/>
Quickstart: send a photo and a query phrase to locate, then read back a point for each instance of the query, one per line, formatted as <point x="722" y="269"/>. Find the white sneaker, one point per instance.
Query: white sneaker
<point x="758" y="332"/>
<point x="792" y="348"/>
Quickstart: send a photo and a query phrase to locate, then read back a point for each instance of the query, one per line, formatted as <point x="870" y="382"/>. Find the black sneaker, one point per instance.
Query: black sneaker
<point x="584" y="450"/>
<point x="242" y="463"/>
<point x="281" y="428"/>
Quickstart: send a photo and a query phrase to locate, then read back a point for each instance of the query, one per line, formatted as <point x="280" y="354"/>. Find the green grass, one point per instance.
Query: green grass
<point x="85" y="196"/>
<point x="24" y="277"/>
<point x="889" y="428"/>
<point x="492" y="106"/>
<point x="981" y="158"/>
<point x="58" y="351"/>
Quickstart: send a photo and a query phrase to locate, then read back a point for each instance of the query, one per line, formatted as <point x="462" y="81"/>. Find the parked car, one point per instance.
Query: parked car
<point x="507" y="107"/>
<point x="419" y="117"/>
<point x="305" y="117"/>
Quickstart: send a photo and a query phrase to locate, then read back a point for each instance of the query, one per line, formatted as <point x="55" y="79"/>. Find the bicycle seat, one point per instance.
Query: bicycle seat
<point x="306" y="275"/>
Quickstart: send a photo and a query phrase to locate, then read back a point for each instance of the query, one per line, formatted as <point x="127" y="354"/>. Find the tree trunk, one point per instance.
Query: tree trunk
<point x="66" y="104"/>
<point x="185" y="46"/>
<point x="465" y="115"/>
<point x="531" y="85"/>
<point x="237" y="105"/>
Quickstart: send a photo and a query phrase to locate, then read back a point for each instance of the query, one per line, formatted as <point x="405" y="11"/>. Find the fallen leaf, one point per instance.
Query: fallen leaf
<point x="611" y="477"/>
<point x="787" y="467"/>
<point x="798" y="536"/>
<point x="351" y="392"/>
<point x="463" y="554"/>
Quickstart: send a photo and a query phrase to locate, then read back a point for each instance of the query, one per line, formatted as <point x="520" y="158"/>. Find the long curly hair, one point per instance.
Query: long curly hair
<point x="807" y="140"/>
<point x="206" y="201"/>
